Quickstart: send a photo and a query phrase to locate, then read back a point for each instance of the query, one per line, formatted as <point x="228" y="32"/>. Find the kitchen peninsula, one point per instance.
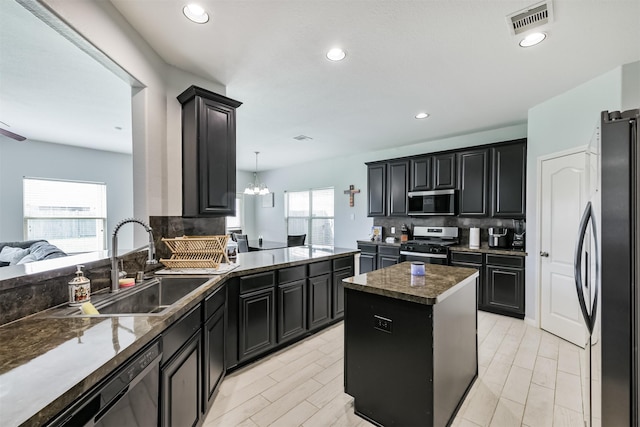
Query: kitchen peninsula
<point x="49" y="362"/>
<point x="411" y="351"/>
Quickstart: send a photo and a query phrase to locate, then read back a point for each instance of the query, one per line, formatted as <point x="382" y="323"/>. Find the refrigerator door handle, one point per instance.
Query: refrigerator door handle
<point x="577" y="263"/>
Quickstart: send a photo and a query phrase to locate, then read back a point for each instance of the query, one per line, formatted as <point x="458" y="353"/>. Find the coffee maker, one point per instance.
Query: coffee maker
<point x="518" y="234"/>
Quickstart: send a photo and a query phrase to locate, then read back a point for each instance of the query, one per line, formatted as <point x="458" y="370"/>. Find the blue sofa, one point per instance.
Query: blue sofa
<point x="28" y="251"/>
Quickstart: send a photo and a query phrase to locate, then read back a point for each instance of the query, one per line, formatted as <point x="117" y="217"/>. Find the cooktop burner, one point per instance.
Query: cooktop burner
<point x="434" y="240"/>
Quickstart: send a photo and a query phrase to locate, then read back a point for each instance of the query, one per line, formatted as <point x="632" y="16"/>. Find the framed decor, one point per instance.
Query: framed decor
<point x="376" y="233"/>
<point x="267" y="200"/>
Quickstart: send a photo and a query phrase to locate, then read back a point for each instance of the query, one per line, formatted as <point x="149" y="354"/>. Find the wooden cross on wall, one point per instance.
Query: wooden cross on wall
<point x="351" y="191"/>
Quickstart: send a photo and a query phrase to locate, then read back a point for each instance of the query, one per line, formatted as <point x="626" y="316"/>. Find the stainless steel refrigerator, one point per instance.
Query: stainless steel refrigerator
<point x="606" y="268"/>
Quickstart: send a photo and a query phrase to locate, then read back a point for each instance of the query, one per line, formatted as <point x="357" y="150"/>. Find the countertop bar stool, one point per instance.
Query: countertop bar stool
<point x="296" y="240"/>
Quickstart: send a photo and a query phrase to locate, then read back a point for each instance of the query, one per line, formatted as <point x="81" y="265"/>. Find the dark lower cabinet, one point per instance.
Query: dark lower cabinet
<point x="471" y="260"/>
<point x="319" y="300"/>
<point x="214" y="357"/>
<point x="267" y="311"/>
<point x="257" y="322"/>
<point x="181" y="386"/>
<point x="374" y="256"/>
<point x="388" y="256"/>
<point x="368" y="257"/>
<point x="292" y="309"/>
<point x="505" y="289"/>
<point x="342" y="268"/>
<point x="501" y="281"/>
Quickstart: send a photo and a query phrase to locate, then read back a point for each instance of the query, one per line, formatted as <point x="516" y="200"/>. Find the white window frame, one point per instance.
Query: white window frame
<point x="310" y="217"/>
<point x="101" y="220"/>
<point x="239" y="201"/>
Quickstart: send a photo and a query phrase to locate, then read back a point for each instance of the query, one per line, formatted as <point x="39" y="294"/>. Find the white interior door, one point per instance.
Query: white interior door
<point x="564" y="192"/>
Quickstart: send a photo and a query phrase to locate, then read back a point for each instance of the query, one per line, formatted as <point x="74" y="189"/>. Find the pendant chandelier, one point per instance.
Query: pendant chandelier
<point x="256" y="188"/>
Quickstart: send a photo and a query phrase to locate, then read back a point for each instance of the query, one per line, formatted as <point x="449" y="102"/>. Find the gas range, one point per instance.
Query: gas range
<point x="430" y="242"/>
<point x="430" y="246"/>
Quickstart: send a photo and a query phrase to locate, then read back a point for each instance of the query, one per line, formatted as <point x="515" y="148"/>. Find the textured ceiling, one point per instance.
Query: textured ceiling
<point x="453" y="59"/>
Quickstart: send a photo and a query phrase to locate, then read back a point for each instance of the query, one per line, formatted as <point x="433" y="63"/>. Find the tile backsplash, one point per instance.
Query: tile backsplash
<point x="464" y="224"/>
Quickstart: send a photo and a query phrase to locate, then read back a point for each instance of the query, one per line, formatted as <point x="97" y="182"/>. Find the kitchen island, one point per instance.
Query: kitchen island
<point x="49" y="361"/>
<point x="410" y="343"/>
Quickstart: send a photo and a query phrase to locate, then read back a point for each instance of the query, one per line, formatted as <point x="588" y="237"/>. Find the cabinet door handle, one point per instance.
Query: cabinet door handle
<point x="544" y="254"/>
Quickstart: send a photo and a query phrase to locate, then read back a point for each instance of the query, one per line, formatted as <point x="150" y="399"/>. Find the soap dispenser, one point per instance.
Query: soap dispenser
<point x="79" y="288"/>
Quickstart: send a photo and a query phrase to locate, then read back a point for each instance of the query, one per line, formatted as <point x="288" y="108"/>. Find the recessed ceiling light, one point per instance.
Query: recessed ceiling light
<point x="422" y="115"/>
<point x="195" y="13"/>
<point x="532" y="39"/>
<point x="336" y="54"/>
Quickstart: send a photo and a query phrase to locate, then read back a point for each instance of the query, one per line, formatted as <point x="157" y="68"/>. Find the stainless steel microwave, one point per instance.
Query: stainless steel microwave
<point x="438" y="202"/>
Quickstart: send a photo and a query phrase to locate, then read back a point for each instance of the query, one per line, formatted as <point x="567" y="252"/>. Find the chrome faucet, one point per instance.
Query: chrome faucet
<point x="116" y="274"/>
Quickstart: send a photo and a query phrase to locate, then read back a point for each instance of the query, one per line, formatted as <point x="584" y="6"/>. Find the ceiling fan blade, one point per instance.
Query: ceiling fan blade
<point x="12" y="135"/>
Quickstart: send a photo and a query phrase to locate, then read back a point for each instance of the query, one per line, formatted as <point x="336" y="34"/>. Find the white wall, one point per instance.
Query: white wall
<point x="156" y="112"/>
<point x="560" y="123"/>
<point x="351" y="223"/>
<point x="55" y="161"/>
<point x="631" y="86"/>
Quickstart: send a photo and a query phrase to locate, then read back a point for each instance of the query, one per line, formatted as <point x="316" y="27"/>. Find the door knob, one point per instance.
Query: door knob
<point x="544" y="254"/>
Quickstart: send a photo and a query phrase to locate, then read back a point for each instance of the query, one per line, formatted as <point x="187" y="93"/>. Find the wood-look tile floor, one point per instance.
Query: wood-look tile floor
<point x="527" y="377"/>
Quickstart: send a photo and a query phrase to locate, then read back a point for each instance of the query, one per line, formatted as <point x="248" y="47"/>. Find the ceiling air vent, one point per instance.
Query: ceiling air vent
<point x="302" y="138"/>
<point x="533" y="16"/>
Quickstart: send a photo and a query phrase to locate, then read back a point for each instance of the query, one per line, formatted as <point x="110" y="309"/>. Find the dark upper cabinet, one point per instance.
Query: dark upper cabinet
<point x="208" y="153"/>
<point x="377" y="189"/>
<point x="421" y="176"/>
<point x="508" y="175"/>
<point x="474" y="186"/>
<point x="444" y="171"/>
<point x="397" y="187"/>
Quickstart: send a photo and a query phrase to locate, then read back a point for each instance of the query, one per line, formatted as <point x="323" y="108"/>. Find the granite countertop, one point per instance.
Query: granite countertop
<point x="47" y="362"/>
<point x="397" y="282"/>
<point x="485" y="249"/>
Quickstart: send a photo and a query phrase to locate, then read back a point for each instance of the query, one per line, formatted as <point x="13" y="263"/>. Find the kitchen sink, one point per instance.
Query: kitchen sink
<point x="154" y="297"/>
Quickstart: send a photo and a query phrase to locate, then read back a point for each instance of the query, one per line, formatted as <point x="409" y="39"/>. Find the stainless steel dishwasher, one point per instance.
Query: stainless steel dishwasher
<point x="128" y="398"/>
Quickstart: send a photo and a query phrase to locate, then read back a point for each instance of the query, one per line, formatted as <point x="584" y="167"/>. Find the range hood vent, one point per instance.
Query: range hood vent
<point x="533" y="16"/>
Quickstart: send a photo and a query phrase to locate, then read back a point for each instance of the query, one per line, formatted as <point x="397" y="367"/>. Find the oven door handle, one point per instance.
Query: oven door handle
<point x="424" y="255"/>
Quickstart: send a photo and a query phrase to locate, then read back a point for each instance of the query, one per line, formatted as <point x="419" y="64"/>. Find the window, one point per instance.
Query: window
<point x="234" y="223"/>
<point x="69" y="214"/>
<point x="311" y="212"/>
